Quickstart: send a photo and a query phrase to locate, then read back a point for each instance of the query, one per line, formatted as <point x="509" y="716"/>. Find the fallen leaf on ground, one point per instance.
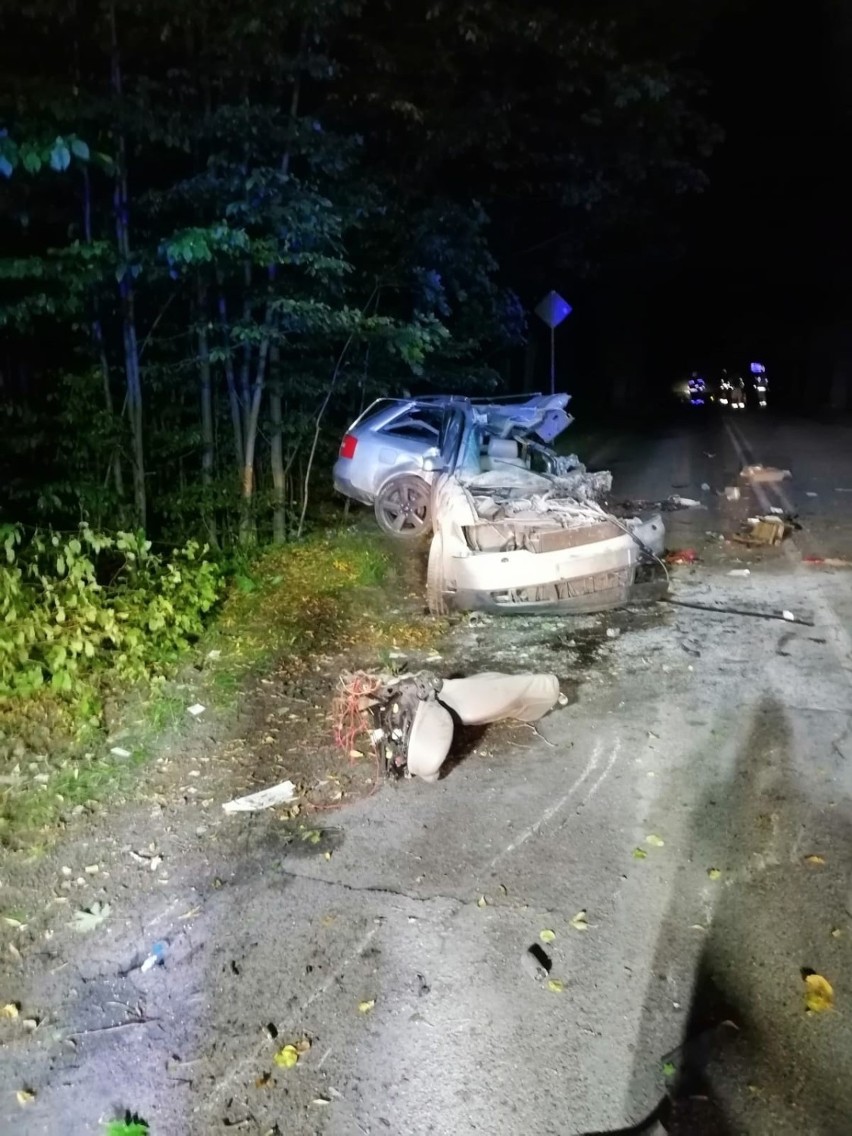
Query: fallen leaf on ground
<point x="366" y="1007"/>
<point x="13" y="922"/>
<point x="286" y="1057"/>
<point x="10" y="1010"/>
<point x="814" y="860"/>
<point x="556" y="985"/>
<point x="579" y="922"/>
<point x="819" y="995"/>
<point x="88" y="918"/>
<point x="640" y="854"/>
<point x="655" y="841"/>
<point x="836" y="932"/>
<point x="25" y="1096"/>
<point x="547" y="936"/>
<point x="669" y="1069"/>
<point x="713" y="873"/>
<point x="482" y="901"/>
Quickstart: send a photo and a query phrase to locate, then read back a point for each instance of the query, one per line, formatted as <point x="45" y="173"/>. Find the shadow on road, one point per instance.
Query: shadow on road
<point x="751" y="1060"/>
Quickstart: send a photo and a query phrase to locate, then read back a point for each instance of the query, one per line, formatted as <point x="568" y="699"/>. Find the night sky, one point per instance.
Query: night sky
<point x="765" y="270"/>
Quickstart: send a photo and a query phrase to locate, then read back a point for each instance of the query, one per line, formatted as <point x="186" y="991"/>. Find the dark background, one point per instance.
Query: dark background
<point x="765" y="271"/>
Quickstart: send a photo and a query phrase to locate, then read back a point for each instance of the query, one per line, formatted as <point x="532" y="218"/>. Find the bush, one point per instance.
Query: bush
<point x="73" y="606"/>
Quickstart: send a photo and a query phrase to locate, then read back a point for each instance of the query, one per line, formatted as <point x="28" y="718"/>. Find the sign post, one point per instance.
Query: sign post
<point x="552" y="310"/>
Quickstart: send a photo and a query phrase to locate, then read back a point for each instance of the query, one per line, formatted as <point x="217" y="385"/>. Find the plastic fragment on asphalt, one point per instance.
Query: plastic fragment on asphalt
<point x="788" y="615"/>
<point x="764" y="473"/>
<point x="684" y="502"/>
<point x="281" y="794"/>
<point x="196" y="709"/>
<point x="741" y="572"/>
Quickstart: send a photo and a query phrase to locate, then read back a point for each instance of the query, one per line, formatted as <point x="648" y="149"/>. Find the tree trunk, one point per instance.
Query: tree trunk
<point x="208" y="442"/>
<point x="245" y="362"/>
<point x="276" y="452"/>
<point x="126" y="293"/>
<point x="100" y="346"/>
<point x="230" y="379"/>
<point x="248" y="531"/>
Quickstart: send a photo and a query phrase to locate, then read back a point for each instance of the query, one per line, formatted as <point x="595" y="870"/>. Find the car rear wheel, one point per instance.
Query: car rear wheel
<point x="403" y="508"/>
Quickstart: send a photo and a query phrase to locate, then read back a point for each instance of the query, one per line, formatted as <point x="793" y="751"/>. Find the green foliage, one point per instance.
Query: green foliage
<point x="129" y="1126"/>
<point x="34" y="155"/>
<point x="71" y="607"/>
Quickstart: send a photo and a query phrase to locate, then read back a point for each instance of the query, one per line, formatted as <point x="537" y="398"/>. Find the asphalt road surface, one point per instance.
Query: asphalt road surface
<point x="694" y="800"/>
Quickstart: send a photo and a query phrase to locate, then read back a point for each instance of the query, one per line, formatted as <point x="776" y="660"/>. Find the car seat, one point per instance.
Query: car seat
<point x="501" y="452"/>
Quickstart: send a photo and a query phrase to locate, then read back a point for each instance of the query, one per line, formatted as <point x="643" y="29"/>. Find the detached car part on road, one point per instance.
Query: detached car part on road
<point x="413" y="716"/>
<point x="516" y="528"/>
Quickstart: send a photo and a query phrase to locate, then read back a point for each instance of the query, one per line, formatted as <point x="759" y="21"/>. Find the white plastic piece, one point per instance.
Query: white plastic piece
<point x="281" y="794"/>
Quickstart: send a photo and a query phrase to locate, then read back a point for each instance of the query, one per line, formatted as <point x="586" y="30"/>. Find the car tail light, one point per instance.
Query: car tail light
<point x="348" y="445"/>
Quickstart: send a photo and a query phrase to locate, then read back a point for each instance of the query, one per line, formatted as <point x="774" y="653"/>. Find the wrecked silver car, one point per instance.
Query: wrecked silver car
<point x="390" y="455"/>
<point x="518" y="529"/>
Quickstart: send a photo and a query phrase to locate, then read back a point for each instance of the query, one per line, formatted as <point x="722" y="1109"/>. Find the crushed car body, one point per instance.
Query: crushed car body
<point x="515" y="527"/>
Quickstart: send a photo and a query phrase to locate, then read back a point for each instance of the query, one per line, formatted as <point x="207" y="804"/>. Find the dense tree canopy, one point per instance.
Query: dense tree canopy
<point x="226" y="226"/>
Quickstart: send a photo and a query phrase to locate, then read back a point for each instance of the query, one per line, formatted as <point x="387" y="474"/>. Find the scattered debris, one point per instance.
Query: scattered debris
<point x="613" y="632"/>
<point x="156" y="957"/>
<point x="412" y="715"/>
<point x="819" y="995"/>
<point x="536" y="963"/>
<point x="556" y="985"/>
<point x="88" y="918"/>
<point x="367" y="1006"/>
<point x="769" y="530"/>
<point x="705" y="488"/>
<point x="826" y="561"/>
<point x="655" y="841"/>
<point x="120" y="751"/>
<point x="813" y="859"/>
<point x="713" y="873"/>
<point x="10" y="1010"/>
<point x="282" y="794"/>
<point x="710" y="609"/>
<point x="732" y="492"/>
<point x="810" y="493"/>
<point x="740" y="572"/>
<point x="547" y="936"/>
<point x="678" y="502"/>
<point x="682" y="556"/>
<point x="196" y="709"/>
<point x="25" y="1096"/>
<point x="788" y="615"/>
<point x="764" y="473"/>
<point x="640" y="854"/>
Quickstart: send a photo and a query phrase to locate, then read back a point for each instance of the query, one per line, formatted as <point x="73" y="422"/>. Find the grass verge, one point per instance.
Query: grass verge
<point x="284" y="606"/>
